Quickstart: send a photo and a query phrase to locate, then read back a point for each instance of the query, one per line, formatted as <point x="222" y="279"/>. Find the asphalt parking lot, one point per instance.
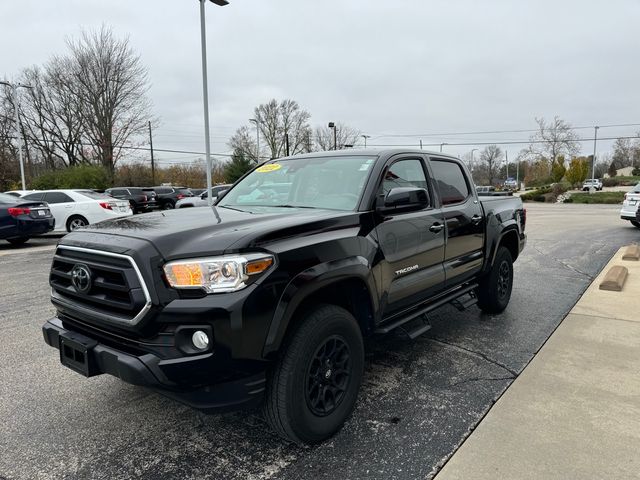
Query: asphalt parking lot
<point x="419" y="400"/>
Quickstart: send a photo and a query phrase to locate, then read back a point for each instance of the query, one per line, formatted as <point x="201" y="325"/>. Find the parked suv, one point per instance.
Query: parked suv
<point x="630" y="206"/>
<point x="140" y="199"/>
<point x="592" y="183"/>
<point x="168" y="196"/>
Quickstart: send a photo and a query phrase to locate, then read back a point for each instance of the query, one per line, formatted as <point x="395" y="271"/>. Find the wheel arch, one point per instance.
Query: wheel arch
<point x="349" y="285"/>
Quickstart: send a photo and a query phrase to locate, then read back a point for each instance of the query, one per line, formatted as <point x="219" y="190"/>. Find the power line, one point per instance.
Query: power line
<point x="490" y="132"/>
<point x="512" y="142"/>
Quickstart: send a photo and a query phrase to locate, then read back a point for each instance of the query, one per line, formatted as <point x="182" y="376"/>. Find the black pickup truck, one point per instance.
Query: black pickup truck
<point x="267" y="296"/>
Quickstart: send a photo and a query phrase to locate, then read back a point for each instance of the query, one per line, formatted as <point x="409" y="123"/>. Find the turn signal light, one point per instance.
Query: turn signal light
<point x="17" y="211"/>
<point x="259" y="266"/>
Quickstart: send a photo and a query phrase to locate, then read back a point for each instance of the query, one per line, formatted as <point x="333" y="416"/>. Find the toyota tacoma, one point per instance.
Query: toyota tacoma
<point x="266" y="296"/>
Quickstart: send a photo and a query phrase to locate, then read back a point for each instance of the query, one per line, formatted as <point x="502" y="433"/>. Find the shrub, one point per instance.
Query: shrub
<point x="535" y="193"/>
<point x="83" y="176"/>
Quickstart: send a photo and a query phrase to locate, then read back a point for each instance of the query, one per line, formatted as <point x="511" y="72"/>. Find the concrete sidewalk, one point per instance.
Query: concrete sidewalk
<point x="574" y="412"/>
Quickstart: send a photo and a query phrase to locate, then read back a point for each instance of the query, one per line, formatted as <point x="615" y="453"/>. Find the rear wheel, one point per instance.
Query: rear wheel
<point x="313" y="387"/>
<point x="18" y="241"/>
<point x="494" y="291"/>
<point x="76" y="222"/>
<point x="635" y="223"/>
<point x="168" y="206"/>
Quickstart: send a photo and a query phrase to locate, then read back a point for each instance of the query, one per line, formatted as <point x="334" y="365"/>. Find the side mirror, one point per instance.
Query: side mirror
<point x="404" y="199"/>
<point x="203" y="195"/>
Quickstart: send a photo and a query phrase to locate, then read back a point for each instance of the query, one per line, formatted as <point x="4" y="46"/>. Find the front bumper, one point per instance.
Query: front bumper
<point x="151" y="371"/>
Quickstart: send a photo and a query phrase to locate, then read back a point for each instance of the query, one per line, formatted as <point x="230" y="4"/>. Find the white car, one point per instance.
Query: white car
<point x="201" y="200"/>
<point x="630" y="205"/>
<point x="592" y="182"/>
<point x="77" y="208"/>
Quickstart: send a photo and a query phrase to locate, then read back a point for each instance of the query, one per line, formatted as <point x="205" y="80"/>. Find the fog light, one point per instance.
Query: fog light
<point x="200" y="340"/>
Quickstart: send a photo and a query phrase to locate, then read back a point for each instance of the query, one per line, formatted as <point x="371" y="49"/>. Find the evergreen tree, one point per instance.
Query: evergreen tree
<point x="237" y="167"/>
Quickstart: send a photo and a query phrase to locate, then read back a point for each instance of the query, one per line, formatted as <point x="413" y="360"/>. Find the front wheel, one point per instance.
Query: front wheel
<point x="313" y="388"/>
<point x="494" y="291"/>
<point x="635" y="223"/>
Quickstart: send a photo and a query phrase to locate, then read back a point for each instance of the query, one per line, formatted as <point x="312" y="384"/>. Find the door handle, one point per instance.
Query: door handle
<point x="476" y="219"/>
<point x="436" y="228"/>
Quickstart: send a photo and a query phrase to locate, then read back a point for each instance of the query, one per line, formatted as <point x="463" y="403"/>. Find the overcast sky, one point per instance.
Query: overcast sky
<point x="395" y="67"/>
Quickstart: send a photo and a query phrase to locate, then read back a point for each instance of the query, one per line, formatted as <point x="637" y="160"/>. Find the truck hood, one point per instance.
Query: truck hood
<point x="209" y="230"/>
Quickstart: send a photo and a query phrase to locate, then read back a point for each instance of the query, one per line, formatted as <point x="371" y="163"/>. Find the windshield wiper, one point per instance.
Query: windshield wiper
<point x="290" y="206"/>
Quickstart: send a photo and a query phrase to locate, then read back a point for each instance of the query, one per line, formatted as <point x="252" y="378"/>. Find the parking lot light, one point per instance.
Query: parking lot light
<point x="205" y="92"/>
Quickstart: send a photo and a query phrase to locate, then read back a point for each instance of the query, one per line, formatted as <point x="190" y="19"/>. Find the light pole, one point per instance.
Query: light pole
<point x="473" y="150"/>
<point x="255" y="120"/>
<point x="205" y="93"/>
<point x="365" y="139"/>
<point x="593" y="163"/>
<point x="443" y="144"/>
<point x="16" y="106"/>
<point x="335" y="137"/>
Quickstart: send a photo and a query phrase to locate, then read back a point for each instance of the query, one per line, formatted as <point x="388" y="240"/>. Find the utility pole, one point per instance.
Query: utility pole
<point x="420" y="144"/>
<point x="518" y="173"/>
<point x="153" y="164"/>
<point x="16" y="107"/>
<point x="255" y="120"/>
<point x="506" y="157"/>
<point x="365" y="139"/>
<point x="286" y="143"/>
<point x="593" y="163"/>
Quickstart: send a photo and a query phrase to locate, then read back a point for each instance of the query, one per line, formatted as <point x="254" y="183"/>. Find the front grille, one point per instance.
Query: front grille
<point x="116" y="291"/>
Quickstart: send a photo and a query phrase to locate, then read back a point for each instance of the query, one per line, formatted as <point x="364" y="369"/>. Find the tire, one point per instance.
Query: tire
<point x="306" y="402"/>
<point x="18" y="241"/>
<point x="168" y="206"/>
<point x="494" y="291"/>
<point x="75" y="222"/>
<point x="635" y="223"/>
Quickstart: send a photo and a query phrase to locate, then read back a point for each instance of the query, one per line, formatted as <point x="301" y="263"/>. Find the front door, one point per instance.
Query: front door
<point x="412" y="243"/>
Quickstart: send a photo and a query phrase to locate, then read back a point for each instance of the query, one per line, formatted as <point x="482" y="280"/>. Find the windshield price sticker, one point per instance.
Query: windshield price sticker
<point x="270" y="167"/>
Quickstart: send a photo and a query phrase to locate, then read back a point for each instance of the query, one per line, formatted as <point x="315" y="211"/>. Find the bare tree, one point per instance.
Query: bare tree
<point x="243" y="141"/>
<point x="490" y="158"/>
<point x="344" y="135"/>
<point x="623" y="152"/>
<point x="282" y="121"/>
<point x="109" y="84"/>
<point x="553" y="139"/>
<point x="9" y="172"/>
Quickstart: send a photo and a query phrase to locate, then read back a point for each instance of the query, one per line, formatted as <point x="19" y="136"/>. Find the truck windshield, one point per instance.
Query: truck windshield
<point x="334" y="183"/>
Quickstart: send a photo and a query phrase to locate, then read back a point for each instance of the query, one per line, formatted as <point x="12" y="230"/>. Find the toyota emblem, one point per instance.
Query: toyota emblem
<point x="81" y="278"/>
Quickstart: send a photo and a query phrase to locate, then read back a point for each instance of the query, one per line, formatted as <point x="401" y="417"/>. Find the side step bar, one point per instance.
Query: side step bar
<point x="451" y="298"/>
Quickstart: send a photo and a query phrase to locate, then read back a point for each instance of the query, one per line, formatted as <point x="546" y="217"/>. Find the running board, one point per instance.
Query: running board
<point x="382" y="329"/>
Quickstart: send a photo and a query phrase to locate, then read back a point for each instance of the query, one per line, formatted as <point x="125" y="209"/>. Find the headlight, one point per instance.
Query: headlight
<point x="216" y="274"/>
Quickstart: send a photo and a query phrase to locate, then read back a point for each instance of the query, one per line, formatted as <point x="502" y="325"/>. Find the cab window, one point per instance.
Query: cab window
<point x="450" y="181"/>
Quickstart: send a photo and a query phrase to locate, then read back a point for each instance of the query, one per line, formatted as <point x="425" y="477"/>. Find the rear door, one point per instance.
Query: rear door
<point x="62" y="206"/>
<point x="412" y="242"/>
<point x="463" y="218"/>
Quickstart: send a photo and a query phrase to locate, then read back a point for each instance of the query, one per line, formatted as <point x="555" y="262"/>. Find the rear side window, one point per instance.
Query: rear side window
<point x="92" y="195"/>
<point x="164" y="190"/>
<point x="34" y="196"/>
<point x="451" y="182"/>
<point x="117" y="191"/>
<point x="57" y="197"/>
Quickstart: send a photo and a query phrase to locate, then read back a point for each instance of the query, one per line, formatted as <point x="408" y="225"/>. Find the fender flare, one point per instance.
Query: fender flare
<point x="307" y="283"/>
